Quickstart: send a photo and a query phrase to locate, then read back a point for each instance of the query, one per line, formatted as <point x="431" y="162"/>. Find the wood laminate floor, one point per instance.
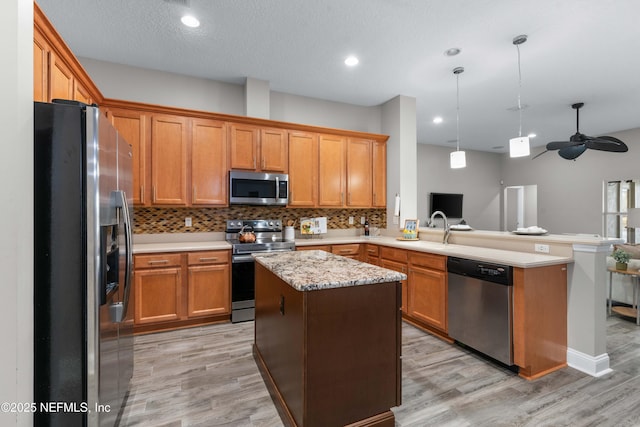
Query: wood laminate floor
<point x="206" y="376"/>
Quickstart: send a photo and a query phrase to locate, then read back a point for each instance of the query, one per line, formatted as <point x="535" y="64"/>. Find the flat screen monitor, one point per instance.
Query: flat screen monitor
<point x="448" y="203"/>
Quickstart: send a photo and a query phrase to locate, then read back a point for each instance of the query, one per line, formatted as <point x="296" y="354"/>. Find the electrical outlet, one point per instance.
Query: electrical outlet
<point x="187" y="221"/>
<point x="541" y="248"/>
<point x="362" y="220"/>
<point x="350" y="220"/>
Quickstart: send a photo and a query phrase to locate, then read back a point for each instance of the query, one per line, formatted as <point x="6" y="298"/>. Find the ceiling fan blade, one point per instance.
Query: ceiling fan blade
<point x="572" y="152"/>
<point x="539" y="154"/>
<point x="607" y="143"/>
<point x="557" y="145"/>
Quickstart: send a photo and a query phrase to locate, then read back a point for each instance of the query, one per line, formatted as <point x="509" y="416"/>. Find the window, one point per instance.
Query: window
<point x="618" y="197"/>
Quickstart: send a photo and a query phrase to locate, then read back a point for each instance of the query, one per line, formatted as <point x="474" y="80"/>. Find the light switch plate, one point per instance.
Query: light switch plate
<point x="350" y="220"/>
<point x="187" y="221"/>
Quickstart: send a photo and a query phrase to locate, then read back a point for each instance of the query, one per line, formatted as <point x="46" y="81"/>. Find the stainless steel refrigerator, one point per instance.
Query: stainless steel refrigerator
<point x="83" y="349"/>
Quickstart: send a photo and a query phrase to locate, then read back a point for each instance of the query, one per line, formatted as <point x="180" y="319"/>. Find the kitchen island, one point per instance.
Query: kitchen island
<point x="327" y="338"/>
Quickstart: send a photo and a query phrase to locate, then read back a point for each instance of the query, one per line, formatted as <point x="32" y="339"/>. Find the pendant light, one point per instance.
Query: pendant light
<point x="519" y="147"/>
<point x="458" y="158"/>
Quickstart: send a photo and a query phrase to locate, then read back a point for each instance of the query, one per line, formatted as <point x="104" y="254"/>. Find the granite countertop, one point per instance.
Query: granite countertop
<point x="317" y="270"/>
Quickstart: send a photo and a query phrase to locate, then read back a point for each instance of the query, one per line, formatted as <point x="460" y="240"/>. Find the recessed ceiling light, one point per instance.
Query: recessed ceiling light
<point x="190" y="21"/>
<point x="452" y="51"/>
<point x="437" y="120"/>
<point x="532" y="135"/>
<point x="351" y="61"/>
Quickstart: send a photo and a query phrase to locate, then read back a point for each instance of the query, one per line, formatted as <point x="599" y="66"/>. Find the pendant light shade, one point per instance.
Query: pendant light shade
<point x="458" y="158"/>
<point x="519" y="147"/>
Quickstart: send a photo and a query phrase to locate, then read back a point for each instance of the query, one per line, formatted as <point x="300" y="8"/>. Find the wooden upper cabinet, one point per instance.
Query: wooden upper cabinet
<point x="359" y="181"/>
<point x="379" y="171"/>
<point x="133" y="126"/>
<point x="273" y="150"/>
<point x="169" y="142"/>
<point x="80" y="93"/>
<point x="60" y="79"/>
<point x="332" y="170"/>
<point x="303" y="169"/>
<point x="40" y="68"/>
<point x="243" y="146"/>
<point x="208" y="162"/>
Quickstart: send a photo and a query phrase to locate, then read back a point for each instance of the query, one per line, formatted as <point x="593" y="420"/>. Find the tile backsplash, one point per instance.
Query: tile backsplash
<point x="172" y="220"/>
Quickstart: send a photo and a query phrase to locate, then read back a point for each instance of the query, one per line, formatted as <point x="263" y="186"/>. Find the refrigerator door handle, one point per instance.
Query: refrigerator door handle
<point x="119" y="310"/>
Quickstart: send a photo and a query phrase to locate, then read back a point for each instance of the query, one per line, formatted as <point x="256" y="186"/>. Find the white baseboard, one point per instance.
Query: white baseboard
<point x="595" y="366"/>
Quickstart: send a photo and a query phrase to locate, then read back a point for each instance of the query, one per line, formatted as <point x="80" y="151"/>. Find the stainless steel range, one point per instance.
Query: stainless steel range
<point x="268" y="238"/>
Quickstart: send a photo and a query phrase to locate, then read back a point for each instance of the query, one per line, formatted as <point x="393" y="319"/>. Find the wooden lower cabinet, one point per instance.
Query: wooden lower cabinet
<point x="173" y="290"/>
<point x="540" y="319"/>
<point x="208" y="287"/>
<point x="402" y="268"/>
<point x="348" y="250"/>
<point x="326" y="248"/>
<point x="372" y="254"/>
<point x="158" y="295"/>
<point x="428" y="296"/>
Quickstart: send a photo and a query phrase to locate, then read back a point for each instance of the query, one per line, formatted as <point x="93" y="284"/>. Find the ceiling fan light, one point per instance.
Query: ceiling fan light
<point x="458" y="159"/>
<point x="519" y="147"/>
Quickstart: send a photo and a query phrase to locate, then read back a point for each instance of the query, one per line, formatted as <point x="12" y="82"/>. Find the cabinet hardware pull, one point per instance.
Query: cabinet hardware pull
<point x="193" y="195"/>
<point x="208" y="259"/>
<point x="142" y="194"/>
<point x="159" y="261"/>
<point x="153" y="199"/>
<point x="342" y="198"/>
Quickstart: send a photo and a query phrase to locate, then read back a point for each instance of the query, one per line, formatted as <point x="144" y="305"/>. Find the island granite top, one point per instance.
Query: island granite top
<point x="316" y="270"/>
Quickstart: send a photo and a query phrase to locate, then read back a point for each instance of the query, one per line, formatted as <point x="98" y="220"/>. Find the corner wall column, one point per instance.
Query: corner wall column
<point x="399" y="122"/>
<point x="587" y="309"/>
<point x="256" y="98"/>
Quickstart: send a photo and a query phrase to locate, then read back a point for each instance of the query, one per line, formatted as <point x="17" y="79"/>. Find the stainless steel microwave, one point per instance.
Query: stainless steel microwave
<point x="258" y="188"/>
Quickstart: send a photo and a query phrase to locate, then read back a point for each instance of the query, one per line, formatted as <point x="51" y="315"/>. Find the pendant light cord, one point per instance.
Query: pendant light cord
<point x="519" y="90"/>
<point x="457" y="112"/>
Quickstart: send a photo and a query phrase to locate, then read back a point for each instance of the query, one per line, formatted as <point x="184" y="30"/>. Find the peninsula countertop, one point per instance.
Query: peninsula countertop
<point x="317" y="270"/>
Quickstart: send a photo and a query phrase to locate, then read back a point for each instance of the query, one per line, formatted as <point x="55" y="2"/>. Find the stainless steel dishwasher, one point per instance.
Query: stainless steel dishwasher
<point x="481" y="307"/>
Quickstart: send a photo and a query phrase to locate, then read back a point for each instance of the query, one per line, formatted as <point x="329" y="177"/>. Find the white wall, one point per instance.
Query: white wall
<point x="161" y="88"/>
<point x="16" y="193"/>
<point x="479" y="182"/>
<point x="570" y="192"/>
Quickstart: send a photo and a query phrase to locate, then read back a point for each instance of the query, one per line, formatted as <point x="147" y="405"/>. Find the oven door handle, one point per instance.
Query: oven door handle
<point x="237" y="259"/>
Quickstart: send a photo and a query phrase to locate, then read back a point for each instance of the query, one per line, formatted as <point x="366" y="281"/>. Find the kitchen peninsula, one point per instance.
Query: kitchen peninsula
<point x="327" y="338"/>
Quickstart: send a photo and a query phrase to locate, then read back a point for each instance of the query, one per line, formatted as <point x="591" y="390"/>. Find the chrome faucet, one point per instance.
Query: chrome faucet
<point x="447" y="230"/>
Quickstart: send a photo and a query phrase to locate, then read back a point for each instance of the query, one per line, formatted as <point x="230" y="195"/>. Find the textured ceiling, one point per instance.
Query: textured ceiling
<point x="578" y="50"/>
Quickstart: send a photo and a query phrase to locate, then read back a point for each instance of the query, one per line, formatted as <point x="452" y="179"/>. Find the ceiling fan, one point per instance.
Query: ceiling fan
<point x="579" y="142"/>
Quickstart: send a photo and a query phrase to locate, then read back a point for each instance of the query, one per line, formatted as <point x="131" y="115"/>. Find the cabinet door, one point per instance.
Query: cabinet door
<point x="402" y="268"/>
<point x="158" y="294"/>
<point x="80" y="93"/>
<point x="331" y="170"/>
<point x="60" y="79"/>
<point x="428" y="297"/>
<point x="273" y="150"/>
<point x="169" y="160"/>
<point x="359" y="183"/>
<point x="303" y="168"/>
<point x="208" y="290"/>
<point x="133" y="125"/>
<point x="243" y="146"/>
<point x="208" y="163"/>
<point x="40" y="68"/>
<point x="379" y="171"/>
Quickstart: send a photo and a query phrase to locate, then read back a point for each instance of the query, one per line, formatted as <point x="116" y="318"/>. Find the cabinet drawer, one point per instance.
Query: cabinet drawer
<point x="208" y="257"/>
<point x="436" y="262"/>
<point x="373" y="250"/>
<point x="157" y="260"/>
<point x="352" y="249"/>
<point x="393" y="254"/>
<point x="326" y="248"/>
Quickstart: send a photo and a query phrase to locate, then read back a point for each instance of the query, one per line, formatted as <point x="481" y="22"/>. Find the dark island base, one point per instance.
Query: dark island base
<point x="329" y="357"/>
<point x="386" y="419"/>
